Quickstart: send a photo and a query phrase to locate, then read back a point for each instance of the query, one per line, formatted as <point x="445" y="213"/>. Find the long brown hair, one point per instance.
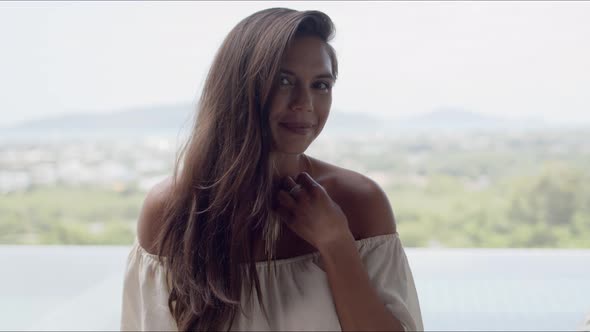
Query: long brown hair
<point x="222" y="190"/>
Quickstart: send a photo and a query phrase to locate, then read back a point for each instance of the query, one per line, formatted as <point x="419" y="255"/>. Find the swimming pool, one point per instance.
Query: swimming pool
<point x="79" y="288"/>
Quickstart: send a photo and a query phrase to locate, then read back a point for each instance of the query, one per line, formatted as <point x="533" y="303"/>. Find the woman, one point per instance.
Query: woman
<point x="245" y="195"/>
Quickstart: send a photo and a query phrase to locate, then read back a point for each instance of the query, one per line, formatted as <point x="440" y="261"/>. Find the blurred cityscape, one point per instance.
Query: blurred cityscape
<point x="448" y="186"/>
<point x="112" y="165"/>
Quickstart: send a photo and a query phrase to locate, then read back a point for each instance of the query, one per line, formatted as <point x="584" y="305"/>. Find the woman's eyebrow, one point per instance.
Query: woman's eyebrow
<point x="323" y="75"/>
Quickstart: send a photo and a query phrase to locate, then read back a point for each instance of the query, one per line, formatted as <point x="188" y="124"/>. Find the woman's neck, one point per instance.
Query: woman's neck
<point x="290" y="165"/>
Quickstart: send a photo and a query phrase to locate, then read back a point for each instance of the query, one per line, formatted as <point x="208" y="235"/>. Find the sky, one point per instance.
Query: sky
<point x="506" y="58"/>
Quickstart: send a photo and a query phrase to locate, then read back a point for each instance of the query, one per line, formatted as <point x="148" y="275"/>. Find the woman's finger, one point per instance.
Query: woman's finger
<point x="288" y="183"/>
<point x="307" y="182"/>
<point x="286" y="200"/>
<point x="294" y="189"/>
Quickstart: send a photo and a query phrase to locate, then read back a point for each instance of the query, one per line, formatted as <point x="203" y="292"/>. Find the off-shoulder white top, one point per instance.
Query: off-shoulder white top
<point x="298" y="297"/>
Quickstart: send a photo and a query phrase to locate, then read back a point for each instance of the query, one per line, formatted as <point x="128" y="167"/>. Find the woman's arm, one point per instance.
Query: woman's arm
<point x="357" y="302"/>
<point x="315" y="217"/>
<point x="358" y="306"/>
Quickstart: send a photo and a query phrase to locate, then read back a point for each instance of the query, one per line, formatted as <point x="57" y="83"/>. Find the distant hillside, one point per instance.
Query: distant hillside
<point x="163" y="119"/>
<point x="452" y="118"/>
<point x="146" y="118"/>
<point x="172" y="119"/>
<point x="461" y="119"/>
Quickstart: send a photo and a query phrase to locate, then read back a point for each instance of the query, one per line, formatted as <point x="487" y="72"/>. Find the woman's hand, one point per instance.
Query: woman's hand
<point x="310" y="212"/>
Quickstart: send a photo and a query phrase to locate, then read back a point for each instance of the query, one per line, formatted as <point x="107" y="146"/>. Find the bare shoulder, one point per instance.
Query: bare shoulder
<point x="151" y="216"/>
<point x="362" y="200"/>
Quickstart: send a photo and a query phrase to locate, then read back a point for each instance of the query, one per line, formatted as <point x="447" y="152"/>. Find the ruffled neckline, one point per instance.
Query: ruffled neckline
<point x="369" y="241"/>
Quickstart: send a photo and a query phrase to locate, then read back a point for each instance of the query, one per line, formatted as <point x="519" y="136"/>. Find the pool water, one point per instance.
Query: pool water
<point x="79" y="288"/>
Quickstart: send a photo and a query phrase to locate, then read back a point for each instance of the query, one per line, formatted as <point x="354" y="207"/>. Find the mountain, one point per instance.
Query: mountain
<point x="453" y="118"/>
<point x="172" y="119"/>
<point x="168" y="117"/>
<point x="461" y="119"/>
<point x="344" y="123"/>
<point x="167" y="120"/>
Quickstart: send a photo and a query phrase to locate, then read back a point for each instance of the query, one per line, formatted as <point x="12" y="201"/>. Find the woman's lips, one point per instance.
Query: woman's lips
<point x="301" y="129"/>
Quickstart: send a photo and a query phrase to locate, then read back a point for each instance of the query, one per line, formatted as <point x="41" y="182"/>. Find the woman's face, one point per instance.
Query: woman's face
<point x="302" y="96"/>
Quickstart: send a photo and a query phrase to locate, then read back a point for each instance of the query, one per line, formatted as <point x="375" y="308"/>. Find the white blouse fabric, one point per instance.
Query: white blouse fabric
<point x="297" y="298"/>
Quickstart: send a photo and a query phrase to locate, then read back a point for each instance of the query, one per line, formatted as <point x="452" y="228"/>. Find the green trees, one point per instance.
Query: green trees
<point x="555" y="205"/>
<point x="69" y="215"/>
<point x="549" y="208"/>
<point x="471" y="190"/>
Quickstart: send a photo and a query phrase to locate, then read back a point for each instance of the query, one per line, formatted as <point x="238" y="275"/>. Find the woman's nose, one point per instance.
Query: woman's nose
<point x="302" y="100"/>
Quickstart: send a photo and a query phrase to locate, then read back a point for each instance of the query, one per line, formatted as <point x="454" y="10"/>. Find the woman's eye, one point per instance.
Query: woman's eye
<point x="284" y="81"/>
<point x="323" y="86"/>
